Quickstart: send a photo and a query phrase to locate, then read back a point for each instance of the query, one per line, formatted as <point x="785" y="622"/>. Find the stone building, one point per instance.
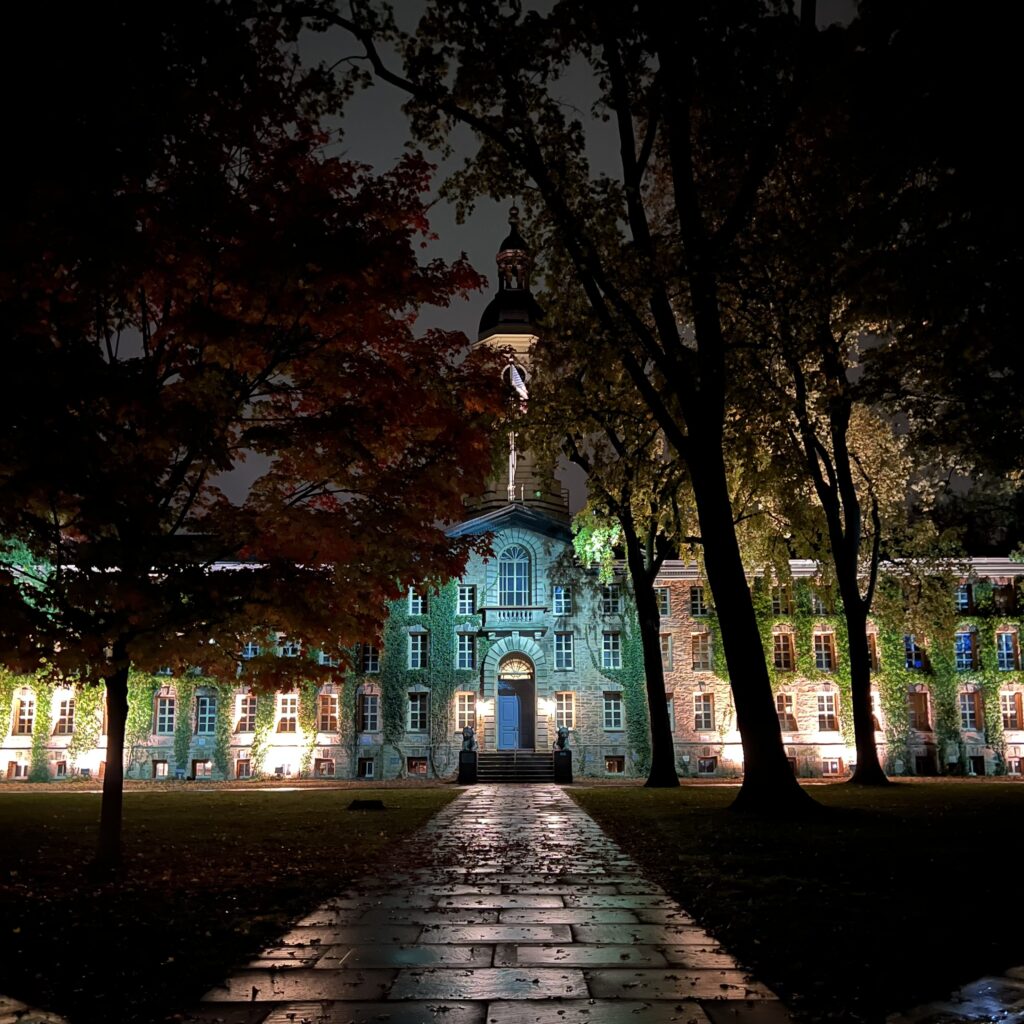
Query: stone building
<point x="528" y="641"/>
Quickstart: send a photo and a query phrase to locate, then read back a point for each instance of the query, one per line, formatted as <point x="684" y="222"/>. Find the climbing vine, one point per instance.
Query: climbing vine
<point x="222" y="725"/>
<point x="185" y="688"/>
<point x="309" y="692"/>
<point x="89" y="700"/>
<point x="142" y="690"/>
<point x="8" y="683"/>
<point x="265" y="712"/>
<point x="44" y="685"/>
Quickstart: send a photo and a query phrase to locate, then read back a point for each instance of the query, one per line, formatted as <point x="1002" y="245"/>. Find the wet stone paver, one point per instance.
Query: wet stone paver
<point x="516" y="909"/>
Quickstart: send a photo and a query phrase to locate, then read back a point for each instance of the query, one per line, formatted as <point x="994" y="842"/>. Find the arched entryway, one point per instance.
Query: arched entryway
<point x="517" y="702"/>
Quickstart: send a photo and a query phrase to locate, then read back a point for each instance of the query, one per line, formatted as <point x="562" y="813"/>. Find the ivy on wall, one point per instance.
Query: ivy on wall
<point x="39" y="769"/>
<point x="89" y="701"/>
<point x="265" y="714"/>
<point x="185" y="687"/>
<point x="309" y="692"/>
<point x="142" y="690"/>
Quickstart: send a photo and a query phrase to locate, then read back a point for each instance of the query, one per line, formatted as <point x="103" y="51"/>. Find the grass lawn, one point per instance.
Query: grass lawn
<point x="210" y="878"/>
<point x="892" y="898"/>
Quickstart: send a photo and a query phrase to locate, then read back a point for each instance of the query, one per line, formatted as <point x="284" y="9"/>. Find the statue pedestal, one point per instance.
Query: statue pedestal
<point x="467" y="767"/>
<point x="563" y="766"/>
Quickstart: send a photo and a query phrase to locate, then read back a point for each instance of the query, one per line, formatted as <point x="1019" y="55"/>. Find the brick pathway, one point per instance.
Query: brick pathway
<point x="515" y="909"/>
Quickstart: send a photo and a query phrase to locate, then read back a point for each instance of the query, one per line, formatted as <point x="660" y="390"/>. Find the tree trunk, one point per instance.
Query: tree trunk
<point x="869" y="770"/>
<point x="108" y="854"/>
<point x="769" y="784"/>
<point x="663" y="752"/>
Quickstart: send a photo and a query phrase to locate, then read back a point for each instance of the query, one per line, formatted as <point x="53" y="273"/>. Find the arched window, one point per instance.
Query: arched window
<point x="514" y="577"/>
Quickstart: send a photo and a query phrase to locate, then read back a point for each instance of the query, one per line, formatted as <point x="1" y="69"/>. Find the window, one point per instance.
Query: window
<point x="707" y="765"/>
<point x="514" y="577"/>
<point x="1013" y="766"/>
<point x="1007" y="652"/>
<point x="324" y="767"/>
<point x="417" y="650"/>
<point x="563" y="651"/>
<point x="964" y="651"/>
<point x="914" y="656"/>
<point x="613" y="710"/>
<point x="615" y="764"/>
<point x="1005" y="599"/>
<point x="466" y="604"/>
<point x="972" y="715"/>
<point x="17" y="770"/>
<point x="784" y="709"/>
<point x="466" y="655"/>
<point x="1010" y="706"/>
<point x="611" y="599"/>
<point x="873" y="663"/>
<point x="700" y="651"/>
<point x="246" y="713"/>
<point x="670" y="707"/>
<point x="666" y="651"/>
<point x="289" y="718"/>
<point x="160" y="770"/>
<point x="611" y="651"/>
<point x="289" y="649"/>
<point x="164" y="716"/>
<point x="821" y="601"/>
<point x="565" y="710"/>
<point x="827" y="718"/>
<point x="561" y="600"/>
<point x="703" y="711"/>
<point x="664" y="599"/>
<point x="417" y="721"/>
<point x="831" y="766"/>
<point x="782" y="601"/>
<point x="417" y="602"/>
<point x="327" y="660"/>
<point x="371" y="659"/>
<point x="697" y="605"/>
<point x="465" y="711"/>
<point x="824" y="651"/>
<point x="202" y="769"/>
<point x="369" y="712"/>
<point x="963" y="598"/>
<point x="251" y="650"/>
<point x="364" y="768"/>
<point x="917" y="712"/>
<point x="785" y="653"/>
<point x="327" y="713"/>
<point x="60" y="769"/>
<point x="24" y="717"/>
<point x="243" y="768"/>
<point x="416" y="766"/>
<point x="65" y="718"/>
<point x="206" y="715"/>
<point x="164" y="670"/>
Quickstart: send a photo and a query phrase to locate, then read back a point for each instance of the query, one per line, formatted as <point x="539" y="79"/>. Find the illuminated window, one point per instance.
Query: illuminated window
<point x="565" y="710"/>
<point x="824" y="651"/>
<point x="323" y="767"/>
<point x="828" y="720"/>
<point x="697" y="605"/>
<point x="664" y="599"/>
<point x="561" y="600"/>
<point x="417" y="602"/>
<point x="782" y="601"/>
<point x="1013" y="766"/>
<point x="24" y="716"/>
<point x="65" y="718"/>
<point x="831" y="766"/>
<point x="202" y="769"/>
<point x="466" y="604"/>
<point x="611" y="599"/>
<point x="917" y="712"/>
<point x="417" y="650"/>
<point x="707" y="765"/>
<point x="416" y="766"/>
<point x="17" y="770"/>
<point x="700" y="651"/>
<point x="164" y="716"/>
<point x="289" y="649"/>
<point x="465" y="711"/>
<point x="1010" y="706"/>
<point x="703" y="711"/>
<point x="784" y="709"/>
<point x="327" y="712"/>
<point x="514" y="577"/>
<point x="666" y="651"/>
<point x="251" y="650"/>
<point x="615" y="764"/>
<point x="613" y="710"/>
<point x="563" y="651"/>
<point x="160" y="770"/>
<point x="913" y="654"/>
<point x="417" y="713"/>
<point x="963" y="598"/>
<point x="246" y="713"/>
<point x="972" y="715"/>
<point x="327" y="660"/>
<point x="243" y="768"/>
<point x="611" y="651"/>
<point x="1007" y="652"/>
<point x="288" y="720"/>
<point x="206" y="715"/>
<point x="466" y="654"/>
<point x="60" y="769"/>
<point x="784" y="653"/>
<point x="370" y="659"/>
<point x="369" y="712"/>
<point x="964" y="652"/>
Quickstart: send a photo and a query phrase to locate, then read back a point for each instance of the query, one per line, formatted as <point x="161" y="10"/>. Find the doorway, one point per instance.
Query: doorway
<point x="517" y="703"/>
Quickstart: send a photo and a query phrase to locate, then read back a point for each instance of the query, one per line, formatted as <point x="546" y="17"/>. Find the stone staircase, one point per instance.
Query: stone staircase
<point x="514" y="766"/>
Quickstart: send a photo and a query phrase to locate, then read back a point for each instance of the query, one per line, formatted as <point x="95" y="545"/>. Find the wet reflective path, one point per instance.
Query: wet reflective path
<point x="515" y="909"/>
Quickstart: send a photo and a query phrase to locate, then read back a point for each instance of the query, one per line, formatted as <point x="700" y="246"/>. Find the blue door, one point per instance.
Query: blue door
<point x="508" y="721"/>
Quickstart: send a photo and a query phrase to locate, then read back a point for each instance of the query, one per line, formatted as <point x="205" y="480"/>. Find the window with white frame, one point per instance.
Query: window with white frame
<point x="465" y="711"/>
<point x="1012" y="712"/>
<point x="417" y="720"/>
<point x="703" y="711"/>
<point x="251" y="649"/>
<point x="289" y="649"/>
<point x="465" y="655"/>
<point x="784" y="709"/>
<point x="514" y="577"/>
<point x="1007" y="651"/>
<point x="327" y="660"/>
<point x="964" y="650"/>
<point x="666" y="651"/>
<point x="707" y="765"/>
<point x="164" y="716"/>
<point x="65" y="717"/>
<point x="824" y="652"/>
<point x="971" y="712"/>
<point x="206" y="715"/>
<point x="370" y="658"/>
<point x="697" y="605"/>
<point x="828" y="720"/>
<point x="417" y="602"/>
<point x="466" y="604"/>
<point x="700" y="651"/>
<point x="246" y="713"/>
<point x="561" y="599"/>
<point x="611" y="651"/>
<point x="1013" y="765"/>
<point x="327" y="712"/>
<point x="288" y="718"/>
<point x="612" y="710"/>
<point x="565" y="710"/>
<point x="664" y="598"/>
<point x="611" y="599"/>
<point x="369" y="712"/>
<point x="417" y="650"/>
<point x="831" y="766"/>
<point x="564" y="651"/>
<point x="24" y="716"/>
<point x="962" y="598"/>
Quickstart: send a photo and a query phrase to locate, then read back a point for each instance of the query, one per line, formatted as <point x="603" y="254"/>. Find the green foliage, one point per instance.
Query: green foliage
<point x="43" y="685"/>
<point x="142" y="690"/>
<point x="309" y="692"/>
<point x="265" y="712"/>
<point x="594" y="539"/>
<point x="185" y="688"/>
<point x="222" y="725"/>
<point x="89" y="700"/>
<point x="8" y="683"/>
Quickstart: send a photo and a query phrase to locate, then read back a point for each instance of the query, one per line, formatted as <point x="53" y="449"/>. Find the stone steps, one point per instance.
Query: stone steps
<point x="514" y="766"/>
